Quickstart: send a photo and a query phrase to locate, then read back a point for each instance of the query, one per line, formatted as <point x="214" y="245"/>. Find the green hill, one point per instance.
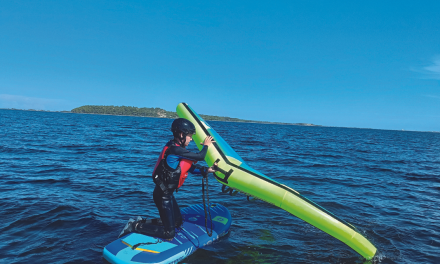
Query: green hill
<point x="157" y="112"/>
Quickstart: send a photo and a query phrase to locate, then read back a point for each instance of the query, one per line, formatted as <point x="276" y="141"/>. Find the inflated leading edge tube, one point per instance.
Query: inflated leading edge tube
<point x="236" y="174"/>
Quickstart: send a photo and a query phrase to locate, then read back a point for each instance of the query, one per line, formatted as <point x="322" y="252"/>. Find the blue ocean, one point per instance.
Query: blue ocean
<point x="69" y="183"/>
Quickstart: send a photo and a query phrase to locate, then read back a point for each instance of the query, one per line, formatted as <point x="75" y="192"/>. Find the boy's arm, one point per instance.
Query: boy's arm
<point x="195" y="169"/>
<point x="198" y="169"/>
<point x="186" y="154"/>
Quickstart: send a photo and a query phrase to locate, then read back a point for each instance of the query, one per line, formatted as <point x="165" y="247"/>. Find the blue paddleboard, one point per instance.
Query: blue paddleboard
<point x="189" y="237"/>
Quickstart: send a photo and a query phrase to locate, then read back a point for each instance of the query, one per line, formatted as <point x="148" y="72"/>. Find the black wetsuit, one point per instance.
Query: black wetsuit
<point x="165" y="202"/>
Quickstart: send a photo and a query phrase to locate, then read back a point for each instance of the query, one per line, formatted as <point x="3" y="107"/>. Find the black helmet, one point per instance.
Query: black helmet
<point x="182" y="125"/>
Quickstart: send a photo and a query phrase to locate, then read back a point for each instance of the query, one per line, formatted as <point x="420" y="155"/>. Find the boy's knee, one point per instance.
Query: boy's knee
<point x="169" y="234"/>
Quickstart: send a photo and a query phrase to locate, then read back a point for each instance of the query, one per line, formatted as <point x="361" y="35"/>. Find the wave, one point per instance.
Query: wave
<point x="38" y="181"/>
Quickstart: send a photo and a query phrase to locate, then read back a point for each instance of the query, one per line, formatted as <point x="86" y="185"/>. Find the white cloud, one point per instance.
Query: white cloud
<point x="432" y="96"/>
<point x="23" y="102"/>
<point x="432" y="71"/>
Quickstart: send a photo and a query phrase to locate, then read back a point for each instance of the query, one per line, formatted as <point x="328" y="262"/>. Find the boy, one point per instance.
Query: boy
<point x="169" y="174"/>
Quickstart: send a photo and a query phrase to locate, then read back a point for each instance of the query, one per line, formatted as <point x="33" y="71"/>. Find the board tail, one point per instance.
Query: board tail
<point x="235" y="173"/>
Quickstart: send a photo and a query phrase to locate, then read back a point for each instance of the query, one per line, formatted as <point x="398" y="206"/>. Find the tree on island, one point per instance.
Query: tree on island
<point x="156" y="112"/>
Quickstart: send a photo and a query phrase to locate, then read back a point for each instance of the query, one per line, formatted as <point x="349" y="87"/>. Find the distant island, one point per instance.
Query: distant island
<point x="160" y="113"/>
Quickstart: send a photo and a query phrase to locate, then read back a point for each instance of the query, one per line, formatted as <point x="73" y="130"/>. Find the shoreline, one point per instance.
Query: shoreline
<point x="244" y="121"/>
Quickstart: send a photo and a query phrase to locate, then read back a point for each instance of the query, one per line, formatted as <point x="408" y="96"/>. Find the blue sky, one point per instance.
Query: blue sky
<point x="372" y="64"/>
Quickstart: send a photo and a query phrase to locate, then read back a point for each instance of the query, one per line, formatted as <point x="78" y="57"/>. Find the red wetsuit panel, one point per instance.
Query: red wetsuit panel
<point x="185" y="165"/>
<point x="162" y="154"/>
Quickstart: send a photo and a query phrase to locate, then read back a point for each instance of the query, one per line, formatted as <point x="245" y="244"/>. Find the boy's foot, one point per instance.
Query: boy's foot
<point x="129" y="227"/>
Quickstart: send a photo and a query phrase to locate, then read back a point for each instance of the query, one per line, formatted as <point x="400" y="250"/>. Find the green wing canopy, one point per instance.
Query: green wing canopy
<point x="236" y="174"/>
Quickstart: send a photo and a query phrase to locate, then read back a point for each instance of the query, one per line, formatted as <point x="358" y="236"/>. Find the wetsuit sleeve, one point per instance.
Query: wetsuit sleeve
<point x="186" y="154"/>
<point x="195" y="169"/>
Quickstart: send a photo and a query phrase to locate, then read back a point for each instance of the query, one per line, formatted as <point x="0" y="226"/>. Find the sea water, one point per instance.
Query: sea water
<point x="69" y="182"/>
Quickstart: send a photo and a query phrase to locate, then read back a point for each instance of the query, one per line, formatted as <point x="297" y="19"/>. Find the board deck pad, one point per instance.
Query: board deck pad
<point x="189" y="237"/>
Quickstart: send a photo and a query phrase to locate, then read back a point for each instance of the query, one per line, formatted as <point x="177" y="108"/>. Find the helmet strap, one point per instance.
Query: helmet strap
<point x="183" y="139"/>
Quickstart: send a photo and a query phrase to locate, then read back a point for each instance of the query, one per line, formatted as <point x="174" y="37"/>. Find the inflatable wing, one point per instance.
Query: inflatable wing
<point x="236" y="174"/>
